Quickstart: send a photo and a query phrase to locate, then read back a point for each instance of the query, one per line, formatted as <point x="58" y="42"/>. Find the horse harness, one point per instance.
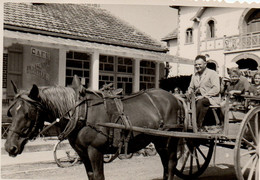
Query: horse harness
<point x="115" y="110"/>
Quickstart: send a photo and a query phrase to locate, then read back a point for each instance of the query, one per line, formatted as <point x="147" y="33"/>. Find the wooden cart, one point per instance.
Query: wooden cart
<point x="239" y="130"/>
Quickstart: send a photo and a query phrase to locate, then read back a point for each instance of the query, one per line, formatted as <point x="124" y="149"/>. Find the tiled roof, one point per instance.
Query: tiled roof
<point x="76" y="21"/>
<point x="171" y="35"/>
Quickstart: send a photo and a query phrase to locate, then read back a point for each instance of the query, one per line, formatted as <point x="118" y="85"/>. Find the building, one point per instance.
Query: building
<point x="225" y="35"/>
<point x="47" y="44"/>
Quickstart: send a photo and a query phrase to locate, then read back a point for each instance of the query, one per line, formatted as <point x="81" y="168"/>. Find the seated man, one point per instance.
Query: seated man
<point x="205" y="85"/>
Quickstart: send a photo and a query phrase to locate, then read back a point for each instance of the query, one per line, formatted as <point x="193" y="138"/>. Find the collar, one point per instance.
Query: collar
<point x="204" y="72"/>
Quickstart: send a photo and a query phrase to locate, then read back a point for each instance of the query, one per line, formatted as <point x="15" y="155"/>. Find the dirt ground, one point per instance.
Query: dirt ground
<point x="137" y="168"/>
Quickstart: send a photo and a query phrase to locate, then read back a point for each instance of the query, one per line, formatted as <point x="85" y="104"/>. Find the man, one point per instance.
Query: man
<point x="205" y="85"/>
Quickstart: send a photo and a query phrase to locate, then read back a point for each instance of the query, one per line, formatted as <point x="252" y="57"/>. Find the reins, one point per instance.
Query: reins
<point x="39" y="106"/>
<point x="72" y="109"/>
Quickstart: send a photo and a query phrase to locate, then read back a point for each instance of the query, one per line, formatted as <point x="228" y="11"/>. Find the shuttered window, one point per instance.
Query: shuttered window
<point x="5" y="61"/>
<point x="14" y="68"/>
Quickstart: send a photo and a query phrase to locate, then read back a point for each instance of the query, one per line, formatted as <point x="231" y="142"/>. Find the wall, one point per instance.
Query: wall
<point x="187" y="50"/>
<point x="41" y="66"/>
<point x="226" y="21"/>
<point x="180" y="69"/>
<point x="172" y="46"/>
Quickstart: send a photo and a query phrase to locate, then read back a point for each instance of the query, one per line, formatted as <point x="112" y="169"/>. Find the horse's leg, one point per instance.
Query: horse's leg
<point x="161" y="148"/>
<point x="97" y="163"/>
<point x="84" y="158"/>
<point x="86" y="161"/>
<point x="87" y="140"/>
<point x="172" y="151"/>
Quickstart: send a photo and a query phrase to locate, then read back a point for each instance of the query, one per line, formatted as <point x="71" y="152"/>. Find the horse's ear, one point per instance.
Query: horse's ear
<point x="75" y="82"/>
<point x="34" y="93"/>
<point x="14" y="87"/>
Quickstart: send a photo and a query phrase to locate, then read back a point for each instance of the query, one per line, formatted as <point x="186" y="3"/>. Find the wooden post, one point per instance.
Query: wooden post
<point x="193" y="110"/>
<point x="226" y="118"/>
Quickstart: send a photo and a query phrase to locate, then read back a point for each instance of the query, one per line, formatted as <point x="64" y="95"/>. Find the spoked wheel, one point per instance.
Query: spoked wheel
<point x="246" y="156"/>
<point x="64" y="154"/>
<point x="194" y="156"/>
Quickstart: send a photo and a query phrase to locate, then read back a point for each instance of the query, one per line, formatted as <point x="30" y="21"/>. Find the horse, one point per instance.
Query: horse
<point x="154" y="109"/>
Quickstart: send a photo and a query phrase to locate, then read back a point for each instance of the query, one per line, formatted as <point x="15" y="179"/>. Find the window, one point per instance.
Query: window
<point x="189" y="38"/>
<point x="106" y="63"/>
<point x="211" y="29"/>
<point x="77" y="63"/>
<point x="253" y="22"/>
<point x="147" y="74"/>
<point x="116" y="70"/>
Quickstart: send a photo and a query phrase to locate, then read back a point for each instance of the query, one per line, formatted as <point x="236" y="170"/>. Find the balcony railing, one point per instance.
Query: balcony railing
<point x="242" y="42"/>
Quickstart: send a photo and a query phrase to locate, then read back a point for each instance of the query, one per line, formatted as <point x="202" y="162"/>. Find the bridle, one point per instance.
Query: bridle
<point x="29" y="132"/>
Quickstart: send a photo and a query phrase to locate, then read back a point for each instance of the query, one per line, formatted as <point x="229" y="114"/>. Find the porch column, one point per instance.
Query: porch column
<point x="136" y="84"/>
<point x="157" y="73"/>
<point x="94" y="71"/>
<point x="62" y="67"/>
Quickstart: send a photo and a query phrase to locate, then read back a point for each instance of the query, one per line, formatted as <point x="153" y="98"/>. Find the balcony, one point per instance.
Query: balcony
<point x="242" y="42"/>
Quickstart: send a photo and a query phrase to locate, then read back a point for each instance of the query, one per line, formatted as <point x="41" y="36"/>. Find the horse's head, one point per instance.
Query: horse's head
<point x="24" y="112"/>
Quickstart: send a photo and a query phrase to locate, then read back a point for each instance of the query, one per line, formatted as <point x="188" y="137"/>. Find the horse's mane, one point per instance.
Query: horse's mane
<point x="57" y="99"/>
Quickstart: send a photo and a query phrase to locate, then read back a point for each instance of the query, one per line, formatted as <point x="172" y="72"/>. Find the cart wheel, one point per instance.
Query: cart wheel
<point x="64" y="154"/>
<point x="246" y="156"/>
<point x="194" y="156"/>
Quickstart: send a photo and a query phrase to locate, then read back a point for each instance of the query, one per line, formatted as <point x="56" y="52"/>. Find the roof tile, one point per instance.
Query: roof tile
<point x="78" y="20"/>
<point x="171" y="35"/>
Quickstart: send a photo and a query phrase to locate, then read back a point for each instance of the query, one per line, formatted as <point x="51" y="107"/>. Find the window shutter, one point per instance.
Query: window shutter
<point x="15" y="68"/>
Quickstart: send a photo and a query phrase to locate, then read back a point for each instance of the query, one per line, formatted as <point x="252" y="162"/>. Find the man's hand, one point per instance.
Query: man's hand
<point x="188" y="96"/>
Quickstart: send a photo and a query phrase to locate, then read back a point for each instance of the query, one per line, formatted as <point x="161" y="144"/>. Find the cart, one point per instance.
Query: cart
<point x="239" y="130"/>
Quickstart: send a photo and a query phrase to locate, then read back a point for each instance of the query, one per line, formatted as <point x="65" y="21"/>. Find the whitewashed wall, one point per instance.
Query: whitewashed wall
<point x="226" y="23"/>
<point x="187" y="50"/>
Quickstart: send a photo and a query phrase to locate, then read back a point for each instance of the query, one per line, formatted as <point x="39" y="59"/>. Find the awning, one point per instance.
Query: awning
<point x="27" y="38"/>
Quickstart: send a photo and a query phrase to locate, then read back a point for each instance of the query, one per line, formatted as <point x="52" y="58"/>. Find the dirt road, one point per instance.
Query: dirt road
<point x="137" y="168"/>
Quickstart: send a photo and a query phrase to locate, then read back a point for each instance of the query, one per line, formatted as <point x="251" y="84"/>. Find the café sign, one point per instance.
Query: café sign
<point x="40" y="53"/>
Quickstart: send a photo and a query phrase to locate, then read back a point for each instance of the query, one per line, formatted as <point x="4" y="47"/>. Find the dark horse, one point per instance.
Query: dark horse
<point x="149" y="109"/>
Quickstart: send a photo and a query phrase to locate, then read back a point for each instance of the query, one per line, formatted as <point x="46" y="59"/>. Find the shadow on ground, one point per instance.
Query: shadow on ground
<point x="218" y="172"/>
